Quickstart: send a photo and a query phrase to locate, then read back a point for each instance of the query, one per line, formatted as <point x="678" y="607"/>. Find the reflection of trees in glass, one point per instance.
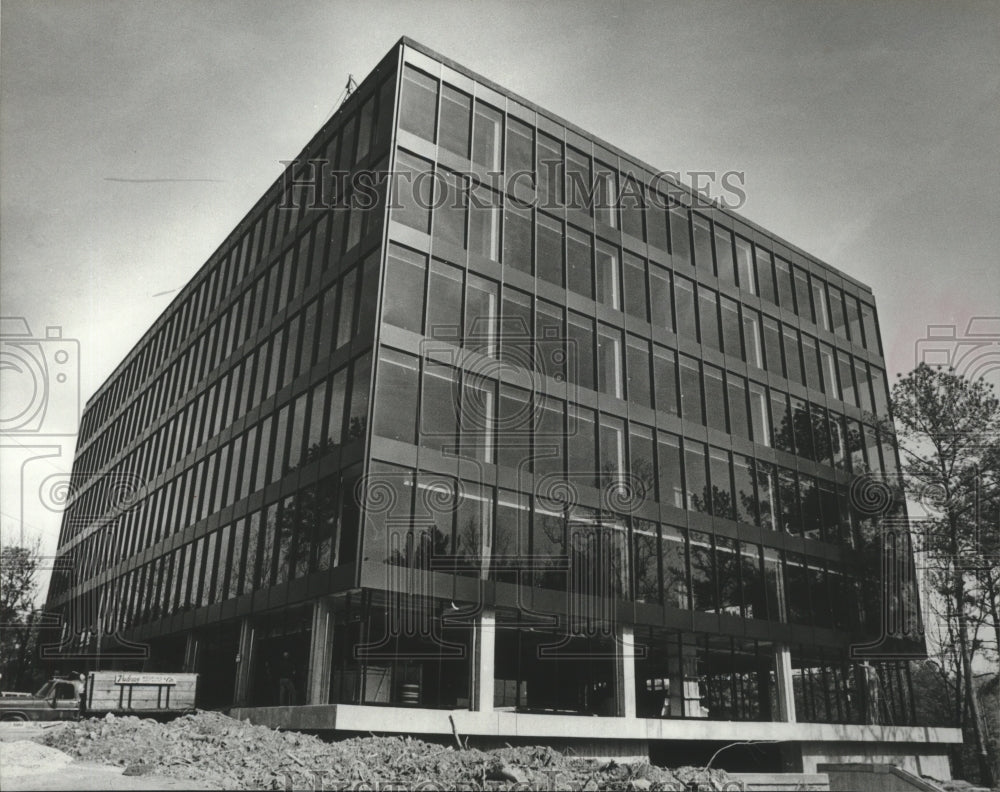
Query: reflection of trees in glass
<point x="714" y="500"/>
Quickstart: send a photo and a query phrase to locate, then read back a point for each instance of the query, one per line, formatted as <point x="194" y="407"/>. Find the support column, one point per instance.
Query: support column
<point x="625" y="676"/>
<point x="320" y="652"/>
<point x="483" y="649"/>
<point x="244" y="664"/>
<point x="191" y="653"/>
<point x="783" y="680"/>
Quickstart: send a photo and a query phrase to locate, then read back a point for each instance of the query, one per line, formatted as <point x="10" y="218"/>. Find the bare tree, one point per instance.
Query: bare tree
<point x="19" y="567"/>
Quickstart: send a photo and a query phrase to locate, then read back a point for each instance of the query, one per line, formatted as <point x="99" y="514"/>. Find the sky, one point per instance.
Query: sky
<point x="135" y="135"/>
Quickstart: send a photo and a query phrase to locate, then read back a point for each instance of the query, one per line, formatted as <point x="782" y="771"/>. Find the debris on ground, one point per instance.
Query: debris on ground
<point x="220" y="751"/>
<point x="24" y="757"/>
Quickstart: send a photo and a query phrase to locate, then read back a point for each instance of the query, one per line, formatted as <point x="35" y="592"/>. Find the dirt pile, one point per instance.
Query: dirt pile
<point x="218" y="750"/>
<point x="23" y="757"/>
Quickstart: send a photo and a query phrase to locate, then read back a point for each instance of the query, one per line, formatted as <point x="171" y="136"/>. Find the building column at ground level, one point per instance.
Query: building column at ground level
<point x="783" y="682"/>
<point x="244" y="661"/>
<point x="191" y="653"/>
<point x="483" y="661"/>
<point x="625" y="672"/>
<point x="320" y="652"/>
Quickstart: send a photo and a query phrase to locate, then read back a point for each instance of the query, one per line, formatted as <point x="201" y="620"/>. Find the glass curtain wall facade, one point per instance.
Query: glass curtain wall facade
<point x="539" y="382"/>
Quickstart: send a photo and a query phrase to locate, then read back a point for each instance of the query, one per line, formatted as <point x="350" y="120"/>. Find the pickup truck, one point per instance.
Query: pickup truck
<point x="119" y="692"/>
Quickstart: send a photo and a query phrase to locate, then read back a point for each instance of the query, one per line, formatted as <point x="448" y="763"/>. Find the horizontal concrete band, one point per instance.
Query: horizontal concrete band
<point x="353" y="717"/>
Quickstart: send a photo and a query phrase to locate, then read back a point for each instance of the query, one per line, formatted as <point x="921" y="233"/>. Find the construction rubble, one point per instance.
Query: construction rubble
<point x="217" y="750"/>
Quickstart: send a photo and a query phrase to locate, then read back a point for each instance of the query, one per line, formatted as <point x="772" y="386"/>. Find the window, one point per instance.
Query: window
<point x="450" y="209"/>
<point x="702" y="229"/>
<point x="702" y="572"/>
<point x="456" y="116"/>
<point x="846" y="378"/>
<point x="872" y="341"/>
<point x="632" y="201"/>
<point x="481" y="316"/>
<point x="802" y="294"/>
<point x="684" y="304"/>
<point x="722" y="504"/>
<point x="690" y="381"/>
<point x="820" y="305"/>
<point x="680" y="237"/>
<point x="645" y="552"/>
<point x="854" y="319"/>
<point x="744" y="265"/>
<point x="731" y="327"/>
<point x="396" y="397"/>
<point x="578" y="180"/>
<point x="606" y="195"/>
<point x="641" y="463"/>
<point x="751" y="338"/>
<point x="837" y="317"/>
<point x="724" y="255"/>
<point x="782" y="430"/>
<point x="637" y="358"/>
<point x="413" y="192"/>
<point x="579" y="269"/>
<point x="810" y="356"/>
<point x="765" y="275"/>
<point x="517" y="228"/>
<point x="612" y="439"/>
<point x="783" y="276"/>
<point x="696" y="477"/>
<point x="580" y="350"/>
<point x="793" y="362"/>
<point x="418" y="104"/>
<point x="673" y="556"/>
<point x="609" y="361"/>
<point x="487" y="137"/>
<point x="739" y="420"/>
<point x="669" y="470"/>
<point x="772" y="346"/>
<point x="715" y="398"/>
<point x="550" y="171"/>
<point x="582" y="445"/>
<point x="665" y="380"/>
<point x="829" y="370"/>
<point x="444" y="302"/>
<point x="708" y="309"/>
<point x="520" y="154"/>
<point x="438" y="407"/>
<point x="659" y="297"/>
<point x="608" y="288"/>
<point x="549" y="250"/>
<point x="402" y="305"/>
<point x="478" y="405"/>
<point x="484" y="223"/>
<point x="743" y="488"/>
<point x="635" y="287"/>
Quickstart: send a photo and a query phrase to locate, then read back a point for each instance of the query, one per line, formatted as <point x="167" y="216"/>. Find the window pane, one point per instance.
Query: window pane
<point x="765" y="275"/>
<point x="673" y="556"/>
<point x="484" y="223"/>
<point x="635" y="287"/>
<point x="612" y="437"/>
<point x="696" y="477"/>
<point x="793" y="362"/>
<point x="641" y="463"/>
<point x="837" y="316"/>
<point x="608" y="288"/>
<point x="702" y="572"/>
<point x="731" y="327"/>
<point x="820" y="305"/>
<point x="782" y="431"/>
<point x="715" y="398"/>
<point x="772" y="347"/>
<point x="487" y="136"/>
<point x="709" y="318"/>
<point x="746" y="498"/>
<point x="450" y="209"/>
<point x="582" y="445"/>
<point x="802" y="294"/>
<point x="438" y="407"/>
<point x="418" y="104"/>
<point x="413" y="192"/>
<point x="580" y="350"/>
<point x="702" y="229"/>
<point x="751" y="338"/>
<point x="671" y="479"/>
<point x="744" y="265"/>
<point x="810" y="357"/>
<point x="456" y="115"/>
<point x="724" y="255"/>
<point x="665" y="380"/>
<point x="549" y="254"/>
<point x="691" y="404"/>
<point x="444" y="302"/>
<point x="637" y="352"/>
<point x="357" y="419"/>
<point x="404" y="289"/>
<point x="517" y="238"/>
<point x="549" y="172"/>
<point x="481" y="316"/>
<point x="579" y="270"/>
<point x="659" y="298"/>
<point x="609" y="361"/>
<point x="783" y="275"/>
<point x="645" y="551"/>
<point x="396" y="398"/>
<point x="738" y="419"/>
<point x="722" y="490"/>
<point x="872" y="341"/>
<point x="684" y="304"/>
<point x="680" y="237"/>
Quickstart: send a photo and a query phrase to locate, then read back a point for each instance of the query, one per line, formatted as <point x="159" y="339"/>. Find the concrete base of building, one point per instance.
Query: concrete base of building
<point x="867" y="777"/>
<point x="917" y="749"/>
<point x="782" y="782"/>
